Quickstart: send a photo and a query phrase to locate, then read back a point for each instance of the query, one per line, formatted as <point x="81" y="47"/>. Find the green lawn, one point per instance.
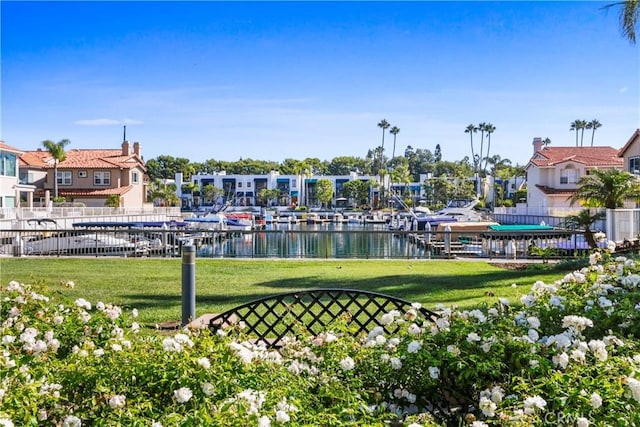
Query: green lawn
<point x="153" y="285"/>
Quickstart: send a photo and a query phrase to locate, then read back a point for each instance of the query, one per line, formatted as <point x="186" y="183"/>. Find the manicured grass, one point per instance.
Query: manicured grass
<point x="153" y="285"/>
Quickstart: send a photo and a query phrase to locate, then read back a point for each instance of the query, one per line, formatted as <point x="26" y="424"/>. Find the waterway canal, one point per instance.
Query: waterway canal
<point x="328" y="240"/>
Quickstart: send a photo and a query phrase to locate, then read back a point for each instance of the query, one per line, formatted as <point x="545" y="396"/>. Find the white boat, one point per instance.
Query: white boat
<point x="83" y="244"/>
<point x="461" y="210"/>
<point x="315" y="218"/>
<point x="287" y="219"/>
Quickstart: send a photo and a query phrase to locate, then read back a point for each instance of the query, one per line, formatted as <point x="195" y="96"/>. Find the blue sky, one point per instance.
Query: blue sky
<point x="275" y="80"/>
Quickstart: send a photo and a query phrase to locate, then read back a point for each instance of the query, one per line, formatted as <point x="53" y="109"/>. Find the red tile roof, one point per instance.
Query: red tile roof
<point x="84" y="159"/>
<point x="90" y="192"/>
<point x="6" y="147"/>
<point x="554" y="191"/>
<point x="33" y="158"/>
<point x="588" y="156"/>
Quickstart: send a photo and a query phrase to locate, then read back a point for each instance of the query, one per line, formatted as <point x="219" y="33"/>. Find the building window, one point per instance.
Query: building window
<point x="239" y="185"/>
<point x="634" y="165"/>
<point x="248" y="185"/>
<point x="101" y="178"/>
<point x="82" y="174"/>
<point x="134" y="177"/>
<point x="64" y="178"/>
<point x="8" y="164"/>
<point x="293" y="183"/>
<point x="568" y="175"/>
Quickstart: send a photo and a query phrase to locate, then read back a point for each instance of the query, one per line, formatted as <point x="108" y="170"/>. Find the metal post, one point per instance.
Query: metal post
<point x="188" y="284"/>
<point x="447" y="240"/>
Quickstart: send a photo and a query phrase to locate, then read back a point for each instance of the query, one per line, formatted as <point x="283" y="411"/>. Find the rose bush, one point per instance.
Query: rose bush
<point x="566" y="353"/>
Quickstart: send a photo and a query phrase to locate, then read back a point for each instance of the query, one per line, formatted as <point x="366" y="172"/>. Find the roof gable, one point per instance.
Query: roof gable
<point x="634" y="137"/>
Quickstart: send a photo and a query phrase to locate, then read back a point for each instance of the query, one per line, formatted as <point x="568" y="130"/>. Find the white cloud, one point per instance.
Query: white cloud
<point x="107" y="122"/>
<point x="623" y="89"/>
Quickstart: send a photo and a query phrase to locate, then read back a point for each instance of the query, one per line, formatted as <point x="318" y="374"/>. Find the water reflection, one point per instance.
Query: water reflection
<point x="329" y="240"/>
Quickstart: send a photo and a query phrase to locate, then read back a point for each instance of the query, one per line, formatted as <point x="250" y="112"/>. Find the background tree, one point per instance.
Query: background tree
<point x="324" y="191"/>
<point x="211" y="193"/>
<point x="357" y="191"/>
<point x="113" y="201"/>
<point x="575" y="127"/>
<point x="268" y="195"/>
<point x="437" y="154"/>
<point x="163" y="194"/>
<point x="471" y="129"/>
<point x="606" y="188"/>
<point x="593" y="125"/>
<point x="629" y="15"/>
<point x="166" y="167"/>
<point x="344" y="165"/>
<point x="497" y="163"/>
<point x="394" y="131"/>
<point x="489" y="129"/>
<point x="56" y="149"/>
<point x="583" y="221"/>
<point x="546" y="142"/>
<point x="384" y="125"/>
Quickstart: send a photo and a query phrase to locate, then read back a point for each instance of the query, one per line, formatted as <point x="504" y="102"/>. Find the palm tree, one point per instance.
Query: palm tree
<point x="384" y="124"/>
<point x="471" y="129"/>
<point x="394" y="131"/>
<point x="582" y="126"/>
<point x="629" y="15"/>
<point x="593" y="125"/>
<point x="546" y="142"/>
<point x="483" y="128"/>
<point x="583" y="220"/>
<point x="56" y="149"/>
<point x="496" y="163"/>
<point x="489" y="129"/>
<point x="575" y="126"/>
<point x="607" y="188"/>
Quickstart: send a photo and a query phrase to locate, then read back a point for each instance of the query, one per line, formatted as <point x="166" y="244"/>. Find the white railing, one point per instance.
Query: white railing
<point x="73" y="211"/>
<point x="623" y="224"/>
<point x="538" y="211"/>
<point x="19" y="218"/>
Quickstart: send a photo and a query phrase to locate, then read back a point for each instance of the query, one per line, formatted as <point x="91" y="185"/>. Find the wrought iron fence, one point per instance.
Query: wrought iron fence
<point x="357" y="244"/>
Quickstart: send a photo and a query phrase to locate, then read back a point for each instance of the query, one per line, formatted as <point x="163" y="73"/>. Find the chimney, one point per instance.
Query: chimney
<point x="537" y="144"/>
<point x="125" y="148"/>
<point x="136" y="149"/>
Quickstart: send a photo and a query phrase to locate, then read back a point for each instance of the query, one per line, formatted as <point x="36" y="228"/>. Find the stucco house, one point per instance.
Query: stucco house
<point x="91" y="176"/>
<point x="553" y="172"/>
<point x="13" y="190"/>
<point x="630" y="154"/>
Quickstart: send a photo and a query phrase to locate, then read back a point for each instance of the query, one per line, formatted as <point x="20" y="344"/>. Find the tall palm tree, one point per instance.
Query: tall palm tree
<point x="629" y="15"/>
<point x="482" y="127"/>
<point x="579" y="126"/>
<point x="546" y="142"/>
<point x="593" y="125"/>
<point x="394" y="131"/>
<point x="489" y="129"/>
<point x="575" y="126"/>
<point x="607" y="188"/>
<point x="471" y="129"/>
<point x="496" y="163"/>
<point x="56" y="149"/>
<point x="582" y="126"/>
<point x="384" y="124"/>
